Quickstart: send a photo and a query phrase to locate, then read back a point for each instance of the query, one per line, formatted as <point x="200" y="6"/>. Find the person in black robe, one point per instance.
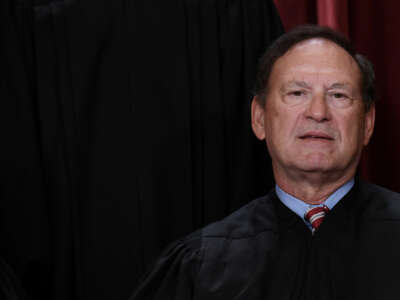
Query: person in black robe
<point x="314" y="106"/>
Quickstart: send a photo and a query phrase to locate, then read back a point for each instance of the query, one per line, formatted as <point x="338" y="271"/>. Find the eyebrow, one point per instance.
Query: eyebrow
<point x="340" y="85"/>
<point x="290" y="84"/>
<point x="303" y="84"/>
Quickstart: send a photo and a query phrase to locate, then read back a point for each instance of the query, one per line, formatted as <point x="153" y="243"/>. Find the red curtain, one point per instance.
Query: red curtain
<point x="372" y="26"/>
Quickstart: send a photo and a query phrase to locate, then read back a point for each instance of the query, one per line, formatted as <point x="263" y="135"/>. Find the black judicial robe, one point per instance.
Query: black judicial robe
<point x="265" y="251"/>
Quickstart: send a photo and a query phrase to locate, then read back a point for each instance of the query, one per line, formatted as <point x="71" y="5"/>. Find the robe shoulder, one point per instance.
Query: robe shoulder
<point x="379" y="203"/>
<point x="174" y="274"/>
<point x="256" y="217"/>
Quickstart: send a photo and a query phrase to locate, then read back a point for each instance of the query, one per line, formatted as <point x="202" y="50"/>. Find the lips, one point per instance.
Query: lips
<point x="316" y="135"/>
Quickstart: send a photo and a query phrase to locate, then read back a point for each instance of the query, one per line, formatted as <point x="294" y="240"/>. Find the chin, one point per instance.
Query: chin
<point x="314" y="168"/>
<point x="315" y="163"/>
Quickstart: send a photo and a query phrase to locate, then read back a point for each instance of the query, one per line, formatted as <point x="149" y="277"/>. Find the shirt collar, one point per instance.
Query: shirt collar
<point x="299" y="207"/>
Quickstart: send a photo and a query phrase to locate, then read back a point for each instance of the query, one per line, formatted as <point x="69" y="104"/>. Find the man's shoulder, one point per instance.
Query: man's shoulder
<point x="248" y="221"/>
<point x="380" y="202"/>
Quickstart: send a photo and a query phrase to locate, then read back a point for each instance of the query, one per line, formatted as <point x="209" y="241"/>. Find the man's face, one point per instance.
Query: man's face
<point x="314" y="118"/>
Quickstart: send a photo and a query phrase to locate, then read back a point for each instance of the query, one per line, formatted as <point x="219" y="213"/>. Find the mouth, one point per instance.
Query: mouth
<point x="316" y="136"/>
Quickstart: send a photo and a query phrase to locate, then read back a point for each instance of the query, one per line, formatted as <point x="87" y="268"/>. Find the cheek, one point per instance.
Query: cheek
<point x="280" y="126"/>
<point x="351" y="132"/>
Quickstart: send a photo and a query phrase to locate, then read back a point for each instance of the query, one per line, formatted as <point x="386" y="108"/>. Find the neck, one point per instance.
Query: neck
<point x="311" y="189"/>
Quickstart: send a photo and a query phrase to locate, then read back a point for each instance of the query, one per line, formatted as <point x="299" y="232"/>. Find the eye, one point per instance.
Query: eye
<point x="296" y="96"/>
<point x="339" y="96"/>
<point x="340" y="99"/>
<point x="297" y="93"/>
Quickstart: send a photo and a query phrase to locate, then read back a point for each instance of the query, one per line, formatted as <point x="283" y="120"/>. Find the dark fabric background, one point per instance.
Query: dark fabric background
<point x="125" y="125"/>
<point x="373" y="28"/>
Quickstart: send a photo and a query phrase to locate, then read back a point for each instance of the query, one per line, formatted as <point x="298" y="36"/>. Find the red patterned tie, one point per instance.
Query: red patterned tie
<point x="315" y="215"/>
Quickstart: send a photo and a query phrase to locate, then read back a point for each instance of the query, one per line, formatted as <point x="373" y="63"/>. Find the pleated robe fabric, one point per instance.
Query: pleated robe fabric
<point x="265" y="251"/>
<point x="10" y="286"/>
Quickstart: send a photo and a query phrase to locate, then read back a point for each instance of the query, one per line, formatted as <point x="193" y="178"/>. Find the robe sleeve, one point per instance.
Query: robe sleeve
<point x="172" y="276"/>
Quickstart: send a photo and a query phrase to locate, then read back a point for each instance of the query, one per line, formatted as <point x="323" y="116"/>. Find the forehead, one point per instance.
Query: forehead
<point x="316" y="59"/>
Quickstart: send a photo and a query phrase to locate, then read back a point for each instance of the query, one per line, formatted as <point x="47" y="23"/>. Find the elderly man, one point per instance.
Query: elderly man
<point x="322" y="233"/>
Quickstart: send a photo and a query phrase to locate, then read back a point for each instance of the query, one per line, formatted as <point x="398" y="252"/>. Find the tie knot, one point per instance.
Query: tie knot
<point x="315" y="215"/>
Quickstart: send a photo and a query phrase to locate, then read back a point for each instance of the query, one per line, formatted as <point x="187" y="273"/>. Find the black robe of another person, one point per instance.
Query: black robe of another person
<point x="10" y="286"/>
<point x="265" y="251"/>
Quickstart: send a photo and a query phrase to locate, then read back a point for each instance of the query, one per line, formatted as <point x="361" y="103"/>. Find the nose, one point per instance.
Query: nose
<point x="318" y="109"/>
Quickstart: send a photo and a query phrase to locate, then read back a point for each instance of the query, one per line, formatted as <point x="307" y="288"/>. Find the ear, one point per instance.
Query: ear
<point x="369" y="124"/>
<point x="257" y="119"/>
